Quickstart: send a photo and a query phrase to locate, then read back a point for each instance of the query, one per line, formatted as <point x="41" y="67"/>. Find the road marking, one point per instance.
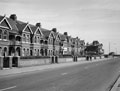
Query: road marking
<point x="8" y="88"/>
<point x="64" y="73"/>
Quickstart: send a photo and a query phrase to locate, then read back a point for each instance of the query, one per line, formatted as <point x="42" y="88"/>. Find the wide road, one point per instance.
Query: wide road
<point x="96" y="76"/>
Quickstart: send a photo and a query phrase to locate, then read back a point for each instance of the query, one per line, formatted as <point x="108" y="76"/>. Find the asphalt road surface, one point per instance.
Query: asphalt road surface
<point x="95" y="76"/>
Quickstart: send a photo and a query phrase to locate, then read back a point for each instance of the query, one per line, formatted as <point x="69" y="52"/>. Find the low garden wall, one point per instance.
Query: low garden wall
<point x="35" y="61"/>
<point x="42" y="61"/>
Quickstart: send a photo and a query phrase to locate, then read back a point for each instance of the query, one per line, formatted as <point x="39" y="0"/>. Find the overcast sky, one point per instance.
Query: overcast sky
<point x="88" y="19"/>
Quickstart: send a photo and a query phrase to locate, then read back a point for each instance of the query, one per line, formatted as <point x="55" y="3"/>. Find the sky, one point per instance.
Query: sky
<point x="88" y="19"/>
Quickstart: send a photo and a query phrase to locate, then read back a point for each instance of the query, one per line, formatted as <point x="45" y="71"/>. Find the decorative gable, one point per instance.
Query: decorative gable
<point x="51" y="35"/>
<point x="39" y="32"/>
<point x="58" y="37"/>
<point x="27" y="29"/>
<point x="5" y="24"/>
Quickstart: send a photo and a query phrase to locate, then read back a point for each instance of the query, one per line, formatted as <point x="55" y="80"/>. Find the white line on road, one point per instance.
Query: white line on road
<point x="8" y="88"/>
<point x="64" y="73"/>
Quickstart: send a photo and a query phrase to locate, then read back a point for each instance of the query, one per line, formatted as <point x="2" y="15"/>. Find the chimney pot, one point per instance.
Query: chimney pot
<point x="13" y="17"/>
<point x="54" y="30"/>
<point x="65" y="33"/>
<point x="38" y="24"/>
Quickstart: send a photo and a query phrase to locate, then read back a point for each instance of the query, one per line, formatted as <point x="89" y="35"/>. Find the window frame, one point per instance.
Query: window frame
<point x="5" y="35"/>
<point x="28" y="38"/>
<point x="1" y="33"/>
<point x="35" y="39"/>
<point x="24" y="38"/>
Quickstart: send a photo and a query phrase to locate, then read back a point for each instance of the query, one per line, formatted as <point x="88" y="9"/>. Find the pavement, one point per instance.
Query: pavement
<point x="116" y="84"/>
<point x="8" y="71"/>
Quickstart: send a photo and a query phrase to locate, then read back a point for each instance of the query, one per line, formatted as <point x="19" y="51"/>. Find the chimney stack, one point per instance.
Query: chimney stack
<point x="38" y="24"/>
<point x="65" y="33"/>
<point x="13" y="17"/>
<point x="54" y="30"/>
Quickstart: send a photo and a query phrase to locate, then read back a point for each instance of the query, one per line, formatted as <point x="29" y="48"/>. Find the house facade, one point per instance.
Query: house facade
<point x="56" y="42"/>
<point x="9" y="37"/>
<point x="36" y="37"/>
<point x="25" y="32"/>
<point x="82" y="46"/>
<point x="64" y="46"/>
<point x="69" y="45"/>
<point x="48" y="41"/>
<point x="24" y="39"/>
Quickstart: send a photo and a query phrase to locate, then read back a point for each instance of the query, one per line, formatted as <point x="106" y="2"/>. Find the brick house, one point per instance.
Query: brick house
<point x="48" y="41"/>
<point x="64" y="46"/>
<point x="36" y="37"/>
<point x="23" y="39"/>
<point x="9" y="37"/>
<point x="69" y="43"/>
<point x="73" y="46"/>
<point x="25" y="31"/>
<point x="56" y="41"/>
<point x="78" y="47"/>
<point x="82" y="44"/>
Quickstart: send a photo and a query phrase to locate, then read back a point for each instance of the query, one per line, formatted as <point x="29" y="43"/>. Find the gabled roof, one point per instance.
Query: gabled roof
<point x="13" y="24"/>
<point x="10" y="23"/>
<point x="57" y="35"/>
<point x="46" y="32"/>
<point x="82" y="42"/>
<point x="74" y="39"/>
<point x="1" y="18"/>
<point x="35" y="29"/>
<point x="62" y="37"/>
<point x="22" y="26"/>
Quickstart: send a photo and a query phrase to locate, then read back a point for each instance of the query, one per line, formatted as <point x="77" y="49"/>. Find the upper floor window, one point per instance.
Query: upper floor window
<point x="0" y="34"/>
<point x="46" y="42"/>
<point x="38" y="39"/>
<point x="49" y="41"/>
<point x="35" y="39"/>
<point x="24" y="52"/>
<point x="24" y="37"/>
<point x="41" y="41"/>
<point x="28" y="38"/>
<point x="27" y="52"/>
<point x="5" y="35"/>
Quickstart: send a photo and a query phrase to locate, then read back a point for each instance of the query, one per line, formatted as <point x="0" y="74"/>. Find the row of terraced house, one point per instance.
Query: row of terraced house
<point x="24" y="39"/>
